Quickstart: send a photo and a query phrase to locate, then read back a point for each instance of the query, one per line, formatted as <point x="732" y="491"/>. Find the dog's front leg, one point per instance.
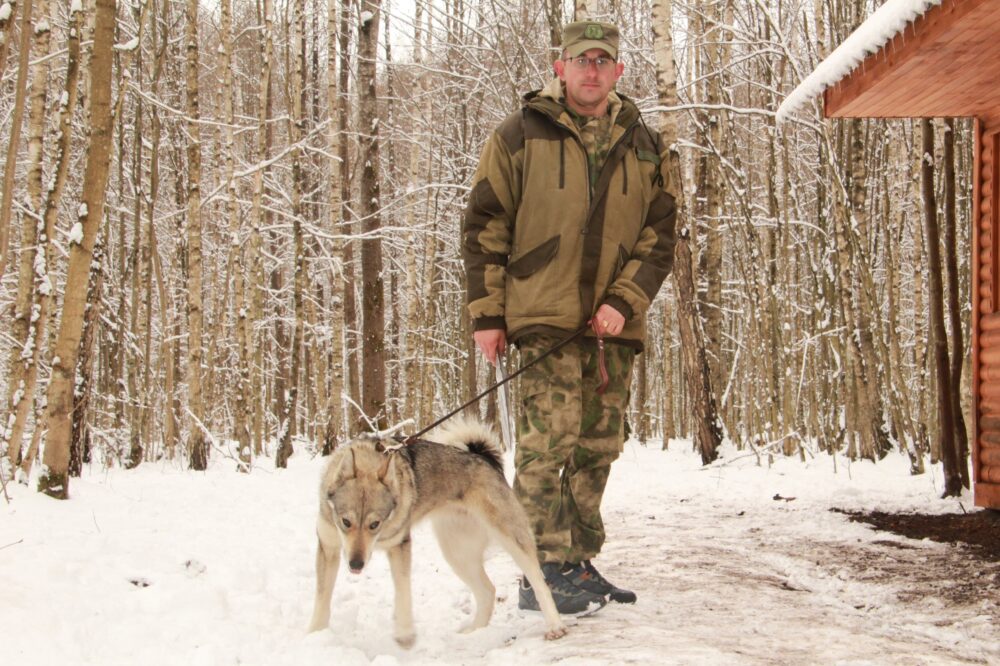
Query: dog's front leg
<point x="327" y="563"/>
<point x="399" y="563"/>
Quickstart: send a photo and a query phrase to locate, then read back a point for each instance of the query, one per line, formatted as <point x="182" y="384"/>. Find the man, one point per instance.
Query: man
<point x="570" y="221"/>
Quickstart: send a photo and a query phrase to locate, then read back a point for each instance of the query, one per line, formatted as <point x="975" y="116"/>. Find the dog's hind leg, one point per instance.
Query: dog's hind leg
<point x="327" y="563"/>
<point x="400" y="558"/>
<point x="463" y="542"/>
<point x="510" y="526"/>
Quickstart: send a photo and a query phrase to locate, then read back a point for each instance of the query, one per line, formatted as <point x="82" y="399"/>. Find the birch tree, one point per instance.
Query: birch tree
<point x="23" y="360"/>
<point x="197" y="440"/>
<point x="54" y="479"/>
<point x="23" y="397"/>
<point x="13" y="145"/>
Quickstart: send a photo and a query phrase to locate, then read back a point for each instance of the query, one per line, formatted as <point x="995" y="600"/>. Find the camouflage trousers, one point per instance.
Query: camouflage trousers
<point x="568" y="436"/>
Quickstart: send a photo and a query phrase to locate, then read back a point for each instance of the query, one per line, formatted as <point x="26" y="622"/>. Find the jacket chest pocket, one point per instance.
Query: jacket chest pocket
<point x="649" y="169"/>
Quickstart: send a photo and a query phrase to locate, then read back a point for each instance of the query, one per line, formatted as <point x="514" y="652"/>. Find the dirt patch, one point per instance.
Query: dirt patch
<point x="979" y="530"/>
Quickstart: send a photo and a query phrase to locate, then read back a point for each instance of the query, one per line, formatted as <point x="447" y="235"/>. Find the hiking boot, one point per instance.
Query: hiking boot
<point x="570" y="600"/>
<point x="586" y="577"/>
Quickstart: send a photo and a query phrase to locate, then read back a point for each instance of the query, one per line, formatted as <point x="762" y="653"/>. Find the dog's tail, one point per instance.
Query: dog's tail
<point x="472" y="435"/>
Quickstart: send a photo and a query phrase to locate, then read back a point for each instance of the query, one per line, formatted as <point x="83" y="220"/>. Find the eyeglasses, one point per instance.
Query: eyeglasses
<point x="583" y="63"/>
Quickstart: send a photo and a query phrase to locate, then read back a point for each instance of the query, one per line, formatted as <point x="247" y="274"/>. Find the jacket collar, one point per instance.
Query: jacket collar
<point x="551" y="101"/>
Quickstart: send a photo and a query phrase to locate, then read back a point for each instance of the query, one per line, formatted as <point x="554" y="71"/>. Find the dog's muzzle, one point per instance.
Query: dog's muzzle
<point x="356" y="566"/>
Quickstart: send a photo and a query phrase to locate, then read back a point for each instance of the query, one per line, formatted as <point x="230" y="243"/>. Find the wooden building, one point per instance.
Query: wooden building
<point x="939" y="58"/>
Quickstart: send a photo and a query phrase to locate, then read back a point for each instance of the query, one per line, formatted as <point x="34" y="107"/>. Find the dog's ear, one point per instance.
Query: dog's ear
<point x="347" y="469"/>
<point x="388" y="462"/>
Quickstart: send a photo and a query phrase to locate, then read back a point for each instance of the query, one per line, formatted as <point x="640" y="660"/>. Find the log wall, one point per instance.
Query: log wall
<point x="986" y="316"/>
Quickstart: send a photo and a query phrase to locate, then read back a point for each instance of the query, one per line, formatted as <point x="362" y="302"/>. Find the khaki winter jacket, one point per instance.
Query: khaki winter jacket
<point x="541" y="251"/>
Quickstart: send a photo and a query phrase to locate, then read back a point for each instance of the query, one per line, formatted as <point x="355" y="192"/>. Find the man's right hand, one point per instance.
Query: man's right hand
<point x="492" y="342"/>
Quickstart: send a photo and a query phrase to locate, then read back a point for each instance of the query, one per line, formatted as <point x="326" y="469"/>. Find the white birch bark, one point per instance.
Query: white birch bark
<point x="54" y="480"/>
<point x="197" y="440"/>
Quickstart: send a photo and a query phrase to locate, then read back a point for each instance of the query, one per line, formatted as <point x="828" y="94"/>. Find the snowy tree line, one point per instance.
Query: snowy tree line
<point x="274" y="261"/>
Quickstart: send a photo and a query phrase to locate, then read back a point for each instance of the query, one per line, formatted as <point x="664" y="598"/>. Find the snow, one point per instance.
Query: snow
<point x="366" y="16"/>
<point x="76" y="234"/>
<point x="45" y="286"/>
<point x="736" y="563"/>
<point x="885" y="23"/>
<point x="5" y="11"/>
<point x="130" y="45"/>
<point x="76" y="6"/>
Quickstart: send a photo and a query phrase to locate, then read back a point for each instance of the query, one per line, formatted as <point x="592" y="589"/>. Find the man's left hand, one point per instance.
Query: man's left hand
<point x="608" y="321"/>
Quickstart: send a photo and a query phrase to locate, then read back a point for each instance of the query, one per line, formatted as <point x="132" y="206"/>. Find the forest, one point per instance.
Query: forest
<point x="231" y="229"/>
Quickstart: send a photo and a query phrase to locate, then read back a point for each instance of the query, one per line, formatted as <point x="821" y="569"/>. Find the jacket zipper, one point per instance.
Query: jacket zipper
<point x="586" y="222"/>
<point x="576" y="137"/>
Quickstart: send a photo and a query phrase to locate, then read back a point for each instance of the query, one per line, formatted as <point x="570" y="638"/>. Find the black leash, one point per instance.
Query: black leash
<point x="556" y="347"/>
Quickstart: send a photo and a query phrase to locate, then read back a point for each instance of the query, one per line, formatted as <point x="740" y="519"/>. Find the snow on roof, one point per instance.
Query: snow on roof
<point x="888" y="21"/>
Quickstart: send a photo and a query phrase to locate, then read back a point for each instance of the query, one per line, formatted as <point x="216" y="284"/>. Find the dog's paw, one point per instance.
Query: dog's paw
<point x="406" y="641"/>
<point x="556" y="634"/>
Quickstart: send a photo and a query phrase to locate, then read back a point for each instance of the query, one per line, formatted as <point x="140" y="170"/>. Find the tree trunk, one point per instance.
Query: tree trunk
<point x="351" y="344"/>
<point x="642" y="399"/>
<point x="373" y="327"/>
<point x="6" y="23"/>
<point x="243" y="417"/>
<point x="197" y="440"/>
<point x="666" y="348"/>
<point x="710" y="194"/>
<point x="14" y="141"/>
<point x="935" y="270"/>
<point x="954" y="308"/>
<point x="287" y="427"/>
<point x="79" y="447"/>
<point x="708" y="434"/>
<point x="553" y="12"/>
<point x="54" y="480"/>
<point x="332" y="416"/>
<point x="256" y="258"/>
<point x="22" y="325"/>
<point x="872" y="408"/>
<point x="24" y="396"/>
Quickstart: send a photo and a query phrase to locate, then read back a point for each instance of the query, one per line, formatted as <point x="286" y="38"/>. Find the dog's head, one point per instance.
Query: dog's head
<point x="363" y="490"/>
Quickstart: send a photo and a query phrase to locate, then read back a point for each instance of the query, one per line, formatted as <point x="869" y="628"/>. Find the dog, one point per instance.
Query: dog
<point x="374" y="490"/>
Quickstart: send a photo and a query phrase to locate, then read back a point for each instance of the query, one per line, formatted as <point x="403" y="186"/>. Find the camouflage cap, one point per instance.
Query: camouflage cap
<point x="585" y="35"/>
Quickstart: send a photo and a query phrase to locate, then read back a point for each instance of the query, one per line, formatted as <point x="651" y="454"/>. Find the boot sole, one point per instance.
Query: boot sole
<point x="587" y="612"/>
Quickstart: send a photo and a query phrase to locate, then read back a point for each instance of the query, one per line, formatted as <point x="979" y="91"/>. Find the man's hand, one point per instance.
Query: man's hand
<point x="492" y="342"/>
<point x="608" y="321"/>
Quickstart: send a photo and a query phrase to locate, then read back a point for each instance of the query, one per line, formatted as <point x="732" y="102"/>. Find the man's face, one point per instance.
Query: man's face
<point x="587" y="89"/>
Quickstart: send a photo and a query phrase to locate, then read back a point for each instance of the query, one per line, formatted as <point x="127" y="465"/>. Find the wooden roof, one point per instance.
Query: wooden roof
<point x="944" y="63"/>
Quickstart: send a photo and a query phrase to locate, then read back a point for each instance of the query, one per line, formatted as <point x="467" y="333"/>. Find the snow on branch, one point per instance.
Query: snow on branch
<point x="888" y="21"/>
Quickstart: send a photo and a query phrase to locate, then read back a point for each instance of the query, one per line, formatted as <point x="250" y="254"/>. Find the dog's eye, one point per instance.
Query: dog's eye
<point x="347" y="523"/>
<point x="374" y="526"/>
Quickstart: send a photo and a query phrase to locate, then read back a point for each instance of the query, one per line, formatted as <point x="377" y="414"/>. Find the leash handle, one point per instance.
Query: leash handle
<point x="602" y="368"/>
<point x="562" y="343"/>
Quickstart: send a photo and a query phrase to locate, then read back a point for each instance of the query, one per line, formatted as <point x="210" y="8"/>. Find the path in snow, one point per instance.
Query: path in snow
<point x="725" y="574"/>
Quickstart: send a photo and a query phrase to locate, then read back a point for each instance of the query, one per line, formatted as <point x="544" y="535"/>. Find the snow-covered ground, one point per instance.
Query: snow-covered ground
<point x="166" y="566"/>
